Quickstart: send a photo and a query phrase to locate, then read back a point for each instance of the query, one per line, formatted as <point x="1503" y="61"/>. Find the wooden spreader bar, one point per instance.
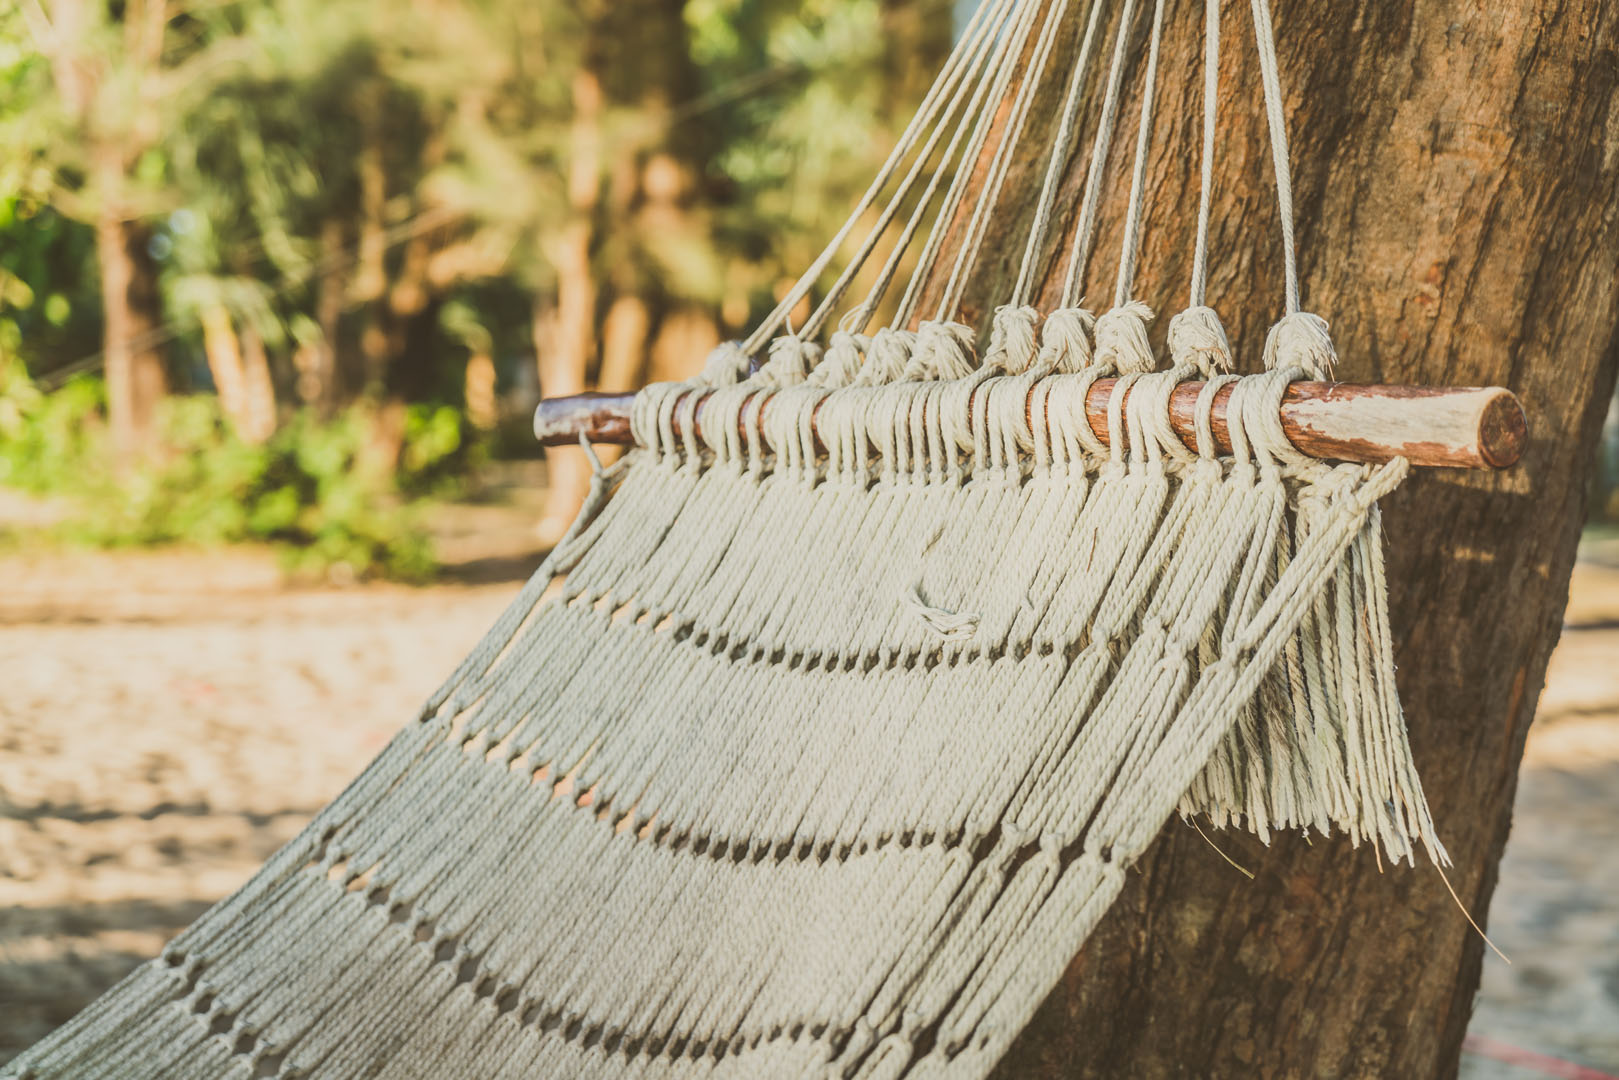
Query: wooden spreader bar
<point x="1459" y="427"/>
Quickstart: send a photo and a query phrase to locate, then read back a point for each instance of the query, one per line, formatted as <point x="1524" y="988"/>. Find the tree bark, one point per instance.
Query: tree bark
<point x="131" y="311"/>
<point x="1456" y="171"/>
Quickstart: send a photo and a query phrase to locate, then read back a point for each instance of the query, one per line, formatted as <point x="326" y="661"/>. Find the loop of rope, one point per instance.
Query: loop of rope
<point x="841" y="362"/>
<point x="1121" y="338"/>
<point x="1197" y="337"/>
<point x="944" y="350"/>
<point x="1065" y="339"/>
<point x="1012" y="343"/>
<point x="1301" y="340"/>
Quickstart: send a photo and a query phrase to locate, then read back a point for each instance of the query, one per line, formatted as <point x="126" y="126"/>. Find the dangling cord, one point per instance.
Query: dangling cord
<point x="1067" y="129"/>
<point x="1211" y="85"/>
<point x="1300" y="338"/>
<point x="1196" y="335"/>
<point x="1005" y="65"/>
<point x="956" y="84"/>
<point x="1265" y="40"/>
<point x="1138" y="180"/>
<point x="919" y="122"/>
<point x="1085" y="230"/>
<point x="989" y="196"/>
<point x="1121" y="331"/>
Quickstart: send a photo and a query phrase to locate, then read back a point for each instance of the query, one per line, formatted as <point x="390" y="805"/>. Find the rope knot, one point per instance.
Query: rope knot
<point x="886" y="357"/>
<point x="1301" y="340"/>
<point x="841" y="362"/>
<point x="1065" y="339"/>
<point x="727" y="365"/>
<point x="1012" y="339"/>
<point x="944" y="350"/>
<point x="791" y="360"/>
<point x="949" y="625"/>
<point x="1196" y="337"/>
<point x="1121" y="338"/>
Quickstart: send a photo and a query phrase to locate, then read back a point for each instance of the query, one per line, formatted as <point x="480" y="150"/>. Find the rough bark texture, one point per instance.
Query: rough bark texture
<point x="1456" y="174"/>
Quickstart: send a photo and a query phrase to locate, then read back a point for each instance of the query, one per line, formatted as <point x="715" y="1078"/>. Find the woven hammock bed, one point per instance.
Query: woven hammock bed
<point x="824" y="739"/>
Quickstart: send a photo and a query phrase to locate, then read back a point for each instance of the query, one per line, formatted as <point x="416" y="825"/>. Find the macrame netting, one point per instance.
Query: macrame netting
<point x="828" y="734"/>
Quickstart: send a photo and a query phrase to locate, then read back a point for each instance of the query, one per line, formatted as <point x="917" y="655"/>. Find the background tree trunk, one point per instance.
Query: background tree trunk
<point x="224" y="353"/>
<point x="563" y="366"/>
<point x="636" y="59"/>
<point x="259" y="413"/>
<point x="136" y="381"/>
<point x="1456" y="171"/>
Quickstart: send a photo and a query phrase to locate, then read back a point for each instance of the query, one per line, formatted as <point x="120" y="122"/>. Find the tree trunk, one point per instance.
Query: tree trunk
<point x="131" y="313"/>
<point x="369" y="283"/>
<point x="562" y="367"/>
<point x="1456" y="171"/>
<point x="479" y="390"/>
<point x="223" y="351"/>
<point x="916" y="40"/>
<point x="316" y="361"/>
<point x="258" y="403"/>
<point x="241" y="372"/>
<point x="624" y="344"/>
<point x="685" y="336"/>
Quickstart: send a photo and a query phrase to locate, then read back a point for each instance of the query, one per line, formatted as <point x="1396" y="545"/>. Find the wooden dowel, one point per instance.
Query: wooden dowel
<point x="1460" y="427"/>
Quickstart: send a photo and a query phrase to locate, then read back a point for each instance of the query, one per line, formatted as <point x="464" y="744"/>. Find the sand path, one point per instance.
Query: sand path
<point x="169" y="719"/>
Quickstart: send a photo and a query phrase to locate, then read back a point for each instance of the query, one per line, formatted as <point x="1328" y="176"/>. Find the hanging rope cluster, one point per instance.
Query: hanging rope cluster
<point x="927" y="179"/>
<point x="825" y="739"/>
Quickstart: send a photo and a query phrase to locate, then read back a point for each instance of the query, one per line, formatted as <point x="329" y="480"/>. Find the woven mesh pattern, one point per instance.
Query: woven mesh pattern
<point x="792" y="766"/>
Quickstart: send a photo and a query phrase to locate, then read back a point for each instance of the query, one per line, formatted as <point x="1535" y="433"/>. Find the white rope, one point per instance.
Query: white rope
<point x="1085" y="228"/>
<point x="919" y="122"/>
<point x="1131" y="247"/>
<point x="859" y="318"/>
<point x="1211" y="87"/>
<point x="992" y="89"/>
<point x="989" y="193"/>
<point x="1265" y="39"/>
<point x="956" y="83"/>
<point x="1067" y="130"/>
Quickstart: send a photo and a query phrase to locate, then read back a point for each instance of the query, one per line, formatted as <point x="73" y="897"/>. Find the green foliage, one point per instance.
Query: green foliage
<point x="360" y="193"/>
<point x="49" y="306"/>
<point x="439" y="450"/>
<point x="315" y="490"/>
<point x="270" y="144"/>
<point x="48" y="441"/>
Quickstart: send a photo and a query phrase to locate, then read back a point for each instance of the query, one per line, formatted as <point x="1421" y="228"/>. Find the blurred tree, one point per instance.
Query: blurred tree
<point x="96" y="136"/>
<point x="387" y="199"/>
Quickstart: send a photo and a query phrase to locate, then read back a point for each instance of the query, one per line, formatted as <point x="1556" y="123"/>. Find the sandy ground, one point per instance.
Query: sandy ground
<point x="169" y="719"/>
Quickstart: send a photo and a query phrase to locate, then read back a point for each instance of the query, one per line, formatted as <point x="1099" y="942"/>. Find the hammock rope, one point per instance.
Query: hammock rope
<point x="827" y="735"/>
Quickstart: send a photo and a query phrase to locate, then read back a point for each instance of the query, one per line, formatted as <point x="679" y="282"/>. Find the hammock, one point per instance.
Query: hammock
<point x="829" y="732"/>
